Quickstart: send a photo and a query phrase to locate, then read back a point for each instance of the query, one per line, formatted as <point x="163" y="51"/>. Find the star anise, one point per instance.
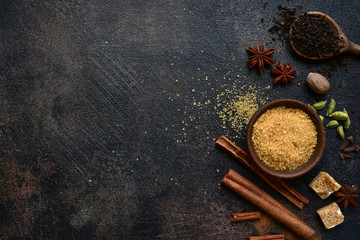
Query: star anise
<point x="346" y="195"/>
<point x="260" y="57"/>
<point x="283" y="73"/>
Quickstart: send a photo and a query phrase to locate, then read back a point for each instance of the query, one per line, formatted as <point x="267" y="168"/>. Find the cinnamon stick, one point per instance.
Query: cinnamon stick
<point x="237" y="178"/>
<point x="264" y="201"/>
<point x="244" y="216"/>
<point x="268" y="237"/>
<point x="276" y="183"/>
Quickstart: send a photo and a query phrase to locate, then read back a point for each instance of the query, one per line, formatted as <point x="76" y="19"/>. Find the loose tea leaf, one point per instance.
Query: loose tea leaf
<point x="282" y="23"/>
<point x="312" y="36"/>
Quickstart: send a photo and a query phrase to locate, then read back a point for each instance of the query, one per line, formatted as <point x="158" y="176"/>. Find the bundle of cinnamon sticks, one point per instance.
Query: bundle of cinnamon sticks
<point x="264" y="201"/>
<point x="276" y="183"/>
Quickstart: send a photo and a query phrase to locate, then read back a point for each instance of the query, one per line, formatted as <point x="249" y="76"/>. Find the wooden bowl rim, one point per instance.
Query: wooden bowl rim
<point x="318" y="151"/>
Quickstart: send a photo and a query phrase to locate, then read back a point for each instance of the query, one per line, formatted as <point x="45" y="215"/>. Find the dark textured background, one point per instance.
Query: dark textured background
<point x="99" y="140"/>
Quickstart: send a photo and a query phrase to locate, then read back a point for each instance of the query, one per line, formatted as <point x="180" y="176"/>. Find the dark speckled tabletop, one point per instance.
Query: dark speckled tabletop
<point x="108" y="121"/>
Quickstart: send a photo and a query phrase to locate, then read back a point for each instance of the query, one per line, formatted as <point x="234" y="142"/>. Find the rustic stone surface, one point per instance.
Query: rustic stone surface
<point x="98" y="139"/>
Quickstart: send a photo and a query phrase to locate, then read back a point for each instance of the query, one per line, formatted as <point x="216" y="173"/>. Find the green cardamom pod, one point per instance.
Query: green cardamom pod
<point x="340" y="132"/>
<point x="312" y="107"/>
<point x="341" y="116"/>
<point x="347" y="121"/>
<point x="332" y="124"/>
<point x="319" y="105"/>
<point x="331" y="107"/>
<point x="321" y="117"/>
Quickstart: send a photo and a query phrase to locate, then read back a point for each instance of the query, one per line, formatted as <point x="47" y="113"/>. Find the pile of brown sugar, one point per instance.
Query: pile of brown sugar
<point x="284" y="138"/>
<point x="236" y="105"/>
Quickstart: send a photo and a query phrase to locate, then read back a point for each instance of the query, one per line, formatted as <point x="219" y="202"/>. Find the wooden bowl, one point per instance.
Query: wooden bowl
<point x="319" y="148"/>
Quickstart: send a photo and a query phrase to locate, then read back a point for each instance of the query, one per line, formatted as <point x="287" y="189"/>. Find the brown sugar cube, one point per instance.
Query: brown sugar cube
<point x="331" y="215"/>
<point x="324" y="185"/>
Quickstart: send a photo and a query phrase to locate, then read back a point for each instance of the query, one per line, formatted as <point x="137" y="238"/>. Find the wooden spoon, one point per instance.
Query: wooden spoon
<point x="346" y="47"/>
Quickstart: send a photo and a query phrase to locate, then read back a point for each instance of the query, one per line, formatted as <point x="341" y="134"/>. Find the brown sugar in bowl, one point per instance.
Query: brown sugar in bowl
<point x="317" y="153"/>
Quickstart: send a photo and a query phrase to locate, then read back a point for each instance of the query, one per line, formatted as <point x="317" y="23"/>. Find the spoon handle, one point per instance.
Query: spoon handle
<point x="354" y="49"/>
